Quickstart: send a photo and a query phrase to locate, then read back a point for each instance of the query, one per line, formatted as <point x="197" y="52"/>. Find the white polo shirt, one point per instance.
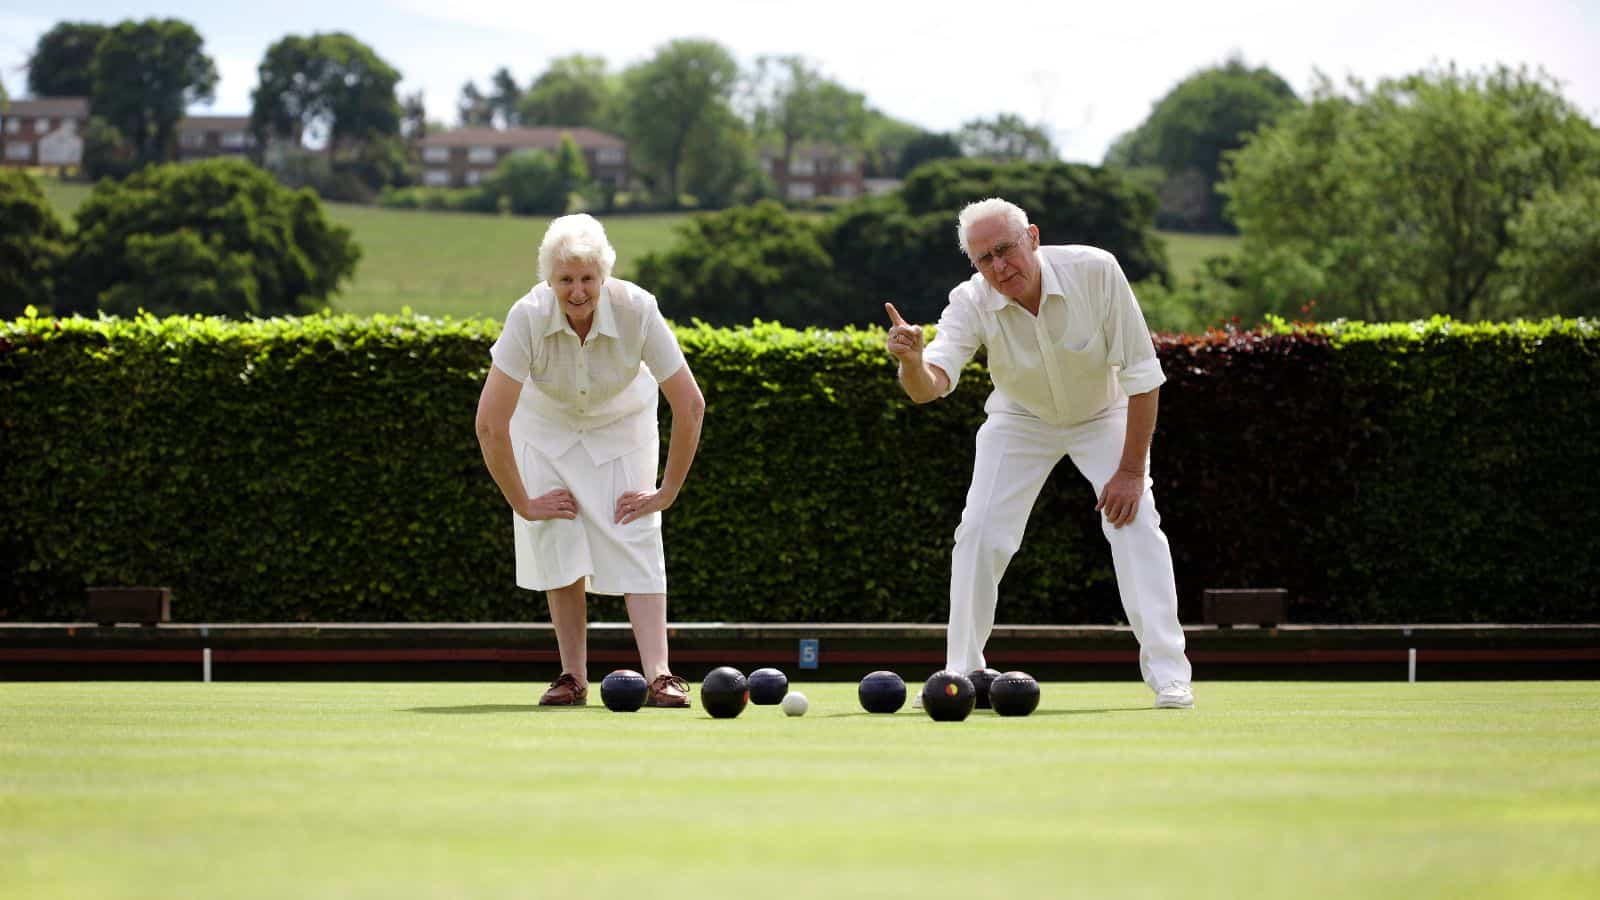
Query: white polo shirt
<point x="600" y="392"/>
<point x="1086" y="351"/>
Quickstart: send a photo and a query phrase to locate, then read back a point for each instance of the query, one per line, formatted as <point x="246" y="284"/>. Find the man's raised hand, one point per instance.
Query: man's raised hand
<point x="904" y="341"/>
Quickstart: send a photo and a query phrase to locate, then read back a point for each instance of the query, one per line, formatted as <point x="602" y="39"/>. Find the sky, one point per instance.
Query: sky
<point x="1086" y="72"/>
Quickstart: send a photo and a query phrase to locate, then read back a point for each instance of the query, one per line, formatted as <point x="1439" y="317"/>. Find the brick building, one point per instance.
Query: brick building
<point x="465" y="156"/>
<point x="44" y="133"/>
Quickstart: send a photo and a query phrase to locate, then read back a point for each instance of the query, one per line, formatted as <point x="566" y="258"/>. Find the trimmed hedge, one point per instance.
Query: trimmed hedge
<point x="326" y="469"/>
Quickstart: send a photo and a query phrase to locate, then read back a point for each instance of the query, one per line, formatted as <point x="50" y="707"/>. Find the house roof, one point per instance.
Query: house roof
<point x="810" y="150"/>
<point x="544" y="137"/>
<point x="70" y="107"/>
<point x="214" y="123"/>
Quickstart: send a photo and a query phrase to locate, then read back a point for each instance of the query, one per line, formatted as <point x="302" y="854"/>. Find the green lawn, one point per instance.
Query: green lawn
<point x="1185" y="252"/>
<point x="461" y="264"/>
<point x="65" y="196"/>
<point x="468" y="790"/>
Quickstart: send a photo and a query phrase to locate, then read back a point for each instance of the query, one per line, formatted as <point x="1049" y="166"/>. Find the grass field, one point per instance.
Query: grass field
<point x="465" y="265"/>
<point x="455" y="790"/>
<point x="1185" y="252"/>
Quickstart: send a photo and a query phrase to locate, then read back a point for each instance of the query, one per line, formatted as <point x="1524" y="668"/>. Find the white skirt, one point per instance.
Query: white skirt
<point x="614" y="559"/>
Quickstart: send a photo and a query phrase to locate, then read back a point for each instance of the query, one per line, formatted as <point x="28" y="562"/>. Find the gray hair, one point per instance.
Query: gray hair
<point x="988" y="209"/>
<point x="578" y="237"/>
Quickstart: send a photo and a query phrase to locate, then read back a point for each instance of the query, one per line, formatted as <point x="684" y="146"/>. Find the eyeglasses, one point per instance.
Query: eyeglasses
<point x="1002" y="250"/>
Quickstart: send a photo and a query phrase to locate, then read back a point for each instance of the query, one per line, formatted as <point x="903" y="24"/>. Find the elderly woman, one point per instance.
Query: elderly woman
<point x="567" y="424"/>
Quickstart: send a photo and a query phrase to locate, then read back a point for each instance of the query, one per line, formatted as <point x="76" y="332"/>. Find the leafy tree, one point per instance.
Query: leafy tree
<point x="667" y="99"/>
<point x="1205" y="116"/>
<point x="473" y="109"/>
<point x="414" y="124"/>
<point x="1398" y="201"/>
<point x="720" y="164"/>
<point x="883" y="141"/>
<point x="535" y="182"/>
<point x="106" y="153"/>
<point x="575" y="90"/>
<point x="62" y="62"/>
<point x="926" y="147"/>
<point x="32" y="244"/>
<point x="792" y="101"/>
<point x="145" y="75"/>
<point x="328" y="89"/>
<point x="1005" y="137"/>
<point x="1553" y="263"/>
<point x="504" y="97"/>
<point x="744" y="263"/>
<point x="219" y="237"/>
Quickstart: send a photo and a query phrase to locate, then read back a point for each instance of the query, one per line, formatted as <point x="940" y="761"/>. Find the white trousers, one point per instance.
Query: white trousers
<point x="1014" y="458"/>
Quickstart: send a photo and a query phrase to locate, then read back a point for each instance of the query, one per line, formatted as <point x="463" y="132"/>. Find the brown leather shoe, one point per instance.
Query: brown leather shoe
<point x="668" y="691"/>
<point x="565" y="691"/>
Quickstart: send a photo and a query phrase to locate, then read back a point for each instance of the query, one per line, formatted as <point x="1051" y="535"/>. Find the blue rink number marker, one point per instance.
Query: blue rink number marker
<point x="808" y="653"/>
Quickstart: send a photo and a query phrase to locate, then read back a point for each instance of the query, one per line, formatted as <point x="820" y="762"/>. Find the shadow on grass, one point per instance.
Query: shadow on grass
<point x="989" y="714"/>
<point x="484" y="708"/>
<point x="1090" y="712"/>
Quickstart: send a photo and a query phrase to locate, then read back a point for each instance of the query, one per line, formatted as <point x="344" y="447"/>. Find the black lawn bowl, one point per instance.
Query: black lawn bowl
<point x="882" y="692"/>
<point x="768" y="686"/>
<point x="948" y="697"/>
<point x="724" y="692"/>
<point x="624" y="690"/>
<point x="1014" y="694"/>
<point x="981" y="679"/>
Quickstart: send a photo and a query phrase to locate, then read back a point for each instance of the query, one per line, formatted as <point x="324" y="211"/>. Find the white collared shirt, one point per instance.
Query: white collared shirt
<point x="1086" y="351"/>
<point x="601" y="391"/>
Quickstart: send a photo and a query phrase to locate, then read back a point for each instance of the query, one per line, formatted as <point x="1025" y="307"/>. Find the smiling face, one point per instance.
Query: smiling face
<point x="577" y="286"/>
<point x="1005" y="257"/>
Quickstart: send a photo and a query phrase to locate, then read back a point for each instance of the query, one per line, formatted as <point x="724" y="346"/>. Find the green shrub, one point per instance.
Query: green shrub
<point x="763" y="262"/>
<point x="744" y="264"/>
<point x="32" y="244"/>
<point x="326" y="469"/>
<point x="219" y="237"/>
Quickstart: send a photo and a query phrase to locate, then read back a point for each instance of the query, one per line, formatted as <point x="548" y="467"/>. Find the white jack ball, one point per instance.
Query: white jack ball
<point x="794" y="704"/>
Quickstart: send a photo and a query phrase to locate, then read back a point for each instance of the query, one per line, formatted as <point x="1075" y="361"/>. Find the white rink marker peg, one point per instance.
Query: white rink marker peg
<point x="1411" y="665"/>
<point x="205" y="665"/>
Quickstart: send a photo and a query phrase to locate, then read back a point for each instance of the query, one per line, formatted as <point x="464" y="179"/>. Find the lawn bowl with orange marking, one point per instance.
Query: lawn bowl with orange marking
<point x="948" y="696"/>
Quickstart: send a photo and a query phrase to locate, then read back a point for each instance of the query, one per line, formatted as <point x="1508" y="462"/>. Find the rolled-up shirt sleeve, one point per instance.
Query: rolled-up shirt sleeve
<point x="513" y="351"/>
<point x="956" y="341"/>
<point x="1129" y="349"/>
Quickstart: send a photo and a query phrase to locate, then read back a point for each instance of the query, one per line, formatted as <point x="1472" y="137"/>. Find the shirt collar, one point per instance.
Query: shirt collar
<point x="605" y="320"/>
<point x="1049" y="286"/>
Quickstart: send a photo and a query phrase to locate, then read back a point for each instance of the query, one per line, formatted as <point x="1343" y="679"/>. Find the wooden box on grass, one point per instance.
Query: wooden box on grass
<point x="141" y="605"/>
<point x="1226" y="607"/>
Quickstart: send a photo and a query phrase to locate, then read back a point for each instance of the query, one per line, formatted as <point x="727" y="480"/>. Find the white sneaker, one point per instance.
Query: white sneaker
<point x="1175" y="695"/>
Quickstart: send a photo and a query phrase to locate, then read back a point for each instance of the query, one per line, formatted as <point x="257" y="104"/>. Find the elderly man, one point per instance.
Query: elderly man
<point x="1075" y="374"/>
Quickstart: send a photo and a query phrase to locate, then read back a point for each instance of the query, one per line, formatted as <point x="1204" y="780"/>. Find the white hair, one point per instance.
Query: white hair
<point x="988" y="209"/>
<point x="578" y="237"/>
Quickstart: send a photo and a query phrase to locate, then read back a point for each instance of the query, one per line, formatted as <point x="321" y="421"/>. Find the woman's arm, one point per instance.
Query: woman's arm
<point x="688" y="411"/>
<point x="495" y="405"/>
